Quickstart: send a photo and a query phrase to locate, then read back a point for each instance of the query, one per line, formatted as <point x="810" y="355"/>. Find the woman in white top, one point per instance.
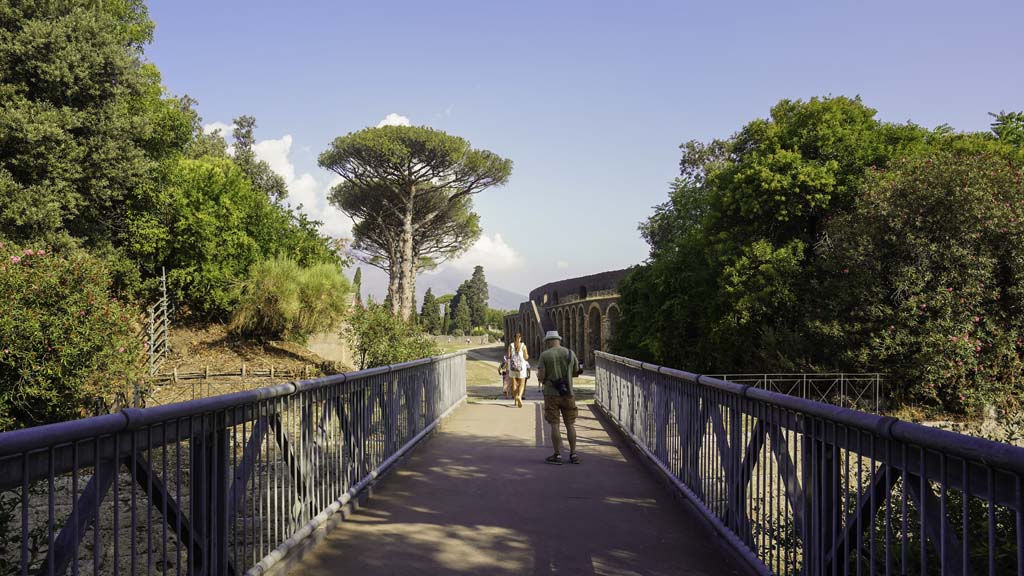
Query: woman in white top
<point x="517" y="357"/>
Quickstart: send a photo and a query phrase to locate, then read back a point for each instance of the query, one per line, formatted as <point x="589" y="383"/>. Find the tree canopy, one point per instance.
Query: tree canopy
<point x="84" y="120"/>
<point x="752" y="258"/>
<point x="412" y="184"/>
<point x="430" y="315"/>
<point x="477" y="297"/>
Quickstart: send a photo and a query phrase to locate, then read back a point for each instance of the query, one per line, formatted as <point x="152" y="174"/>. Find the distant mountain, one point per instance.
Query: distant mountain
<point x="447" y="281"/>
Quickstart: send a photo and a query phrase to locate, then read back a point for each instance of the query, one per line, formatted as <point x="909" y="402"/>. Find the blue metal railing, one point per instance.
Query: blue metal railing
<point x="222" y="485"/>
<point x="803" y="487"/>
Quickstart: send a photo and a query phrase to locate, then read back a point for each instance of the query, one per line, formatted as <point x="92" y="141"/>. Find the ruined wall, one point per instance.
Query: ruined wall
<point x="583" y="310"/>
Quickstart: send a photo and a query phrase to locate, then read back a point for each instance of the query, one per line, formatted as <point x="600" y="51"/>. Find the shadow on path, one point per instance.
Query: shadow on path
<point x="477" y="498"/>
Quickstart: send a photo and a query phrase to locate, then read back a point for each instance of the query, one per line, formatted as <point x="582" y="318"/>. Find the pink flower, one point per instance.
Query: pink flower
<point x="40" y="252"/>
<point x="846" y="270"/>
<point x="29" y="252"/>
<point x="15" y="259"/>
<point x="949" y="289"/>
<point x="976" y="319"/>
<point x="120" y="349"/>
<point x="954" y="338"/>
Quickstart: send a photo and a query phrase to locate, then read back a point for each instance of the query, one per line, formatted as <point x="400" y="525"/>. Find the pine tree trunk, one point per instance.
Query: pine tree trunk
<point x="393" y="274"/>
<point x="407" y="278"/>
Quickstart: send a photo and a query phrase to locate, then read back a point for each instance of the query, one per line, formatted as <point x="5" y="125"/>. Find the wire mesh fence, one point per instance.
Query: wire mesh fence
<point x="858" y="391"/>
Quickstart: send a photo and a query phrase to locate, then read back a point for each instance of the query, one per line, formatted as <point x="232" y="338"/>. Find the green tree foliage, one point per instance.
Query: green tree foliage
<point x="430" y="315"/>
<point x="742" y="274"/>
<point x="379" y="337"/>
<point x="927" y="275"/>
<point x="357" y="285"/>
<point x="1009" y="127"/>
<point x="208" y="226"/>
<point x="460" y="311"/>
<point x="478" y="297"/>
<point x="445" y="302"/>
<point x="417" y="180"/>
<point x="282" y="300"/>
<point x="259" y="173"/>
<point x="454" y="228"/>
<point x="462" y="319"/>
<point x="65" y="341"/>
<point x="83" y="119"/>
<point x="496" y="318"/>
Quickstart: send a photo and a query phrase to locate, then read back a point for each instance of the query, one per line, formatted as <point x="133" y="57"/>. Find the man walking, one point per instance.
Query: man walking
<point x="557" y="366"/>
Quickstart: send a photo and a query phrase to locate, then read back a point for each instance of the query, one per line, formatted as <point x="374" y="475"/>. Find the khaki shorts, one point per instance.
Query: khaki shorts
<point x="564" y="405"/>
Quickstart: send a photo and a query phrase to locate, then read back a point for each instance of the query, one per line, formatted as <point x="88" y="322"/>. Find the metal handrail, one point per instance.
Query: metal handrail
<point x="221" y="485"/>
<point x="804" y="487"/>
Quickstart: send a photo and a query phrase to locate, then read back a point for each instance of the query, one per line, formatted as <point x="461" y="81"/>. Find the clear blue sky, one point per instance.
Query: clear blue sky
<point x="589" y="99"/>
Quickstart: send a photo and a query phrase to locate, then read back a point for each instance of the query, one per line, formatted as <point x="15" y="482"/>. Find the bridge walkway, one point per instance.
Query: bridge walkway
<point x="477" y="498"/>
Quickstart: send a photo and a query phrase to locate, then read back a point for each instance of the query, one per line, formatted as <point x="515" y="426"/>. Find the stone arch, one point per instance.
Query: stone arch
<point x="593" y="332"/>
<point x="580" y="332"/>
<point x="568" y="329"/>
<point x="614" y="315"/>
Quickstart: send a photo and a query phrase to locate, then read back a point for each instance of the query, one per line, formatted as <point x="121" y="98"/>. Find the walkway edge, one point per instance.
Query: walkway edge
<point x="656" y="466"/>
<point x="285" y="556"/>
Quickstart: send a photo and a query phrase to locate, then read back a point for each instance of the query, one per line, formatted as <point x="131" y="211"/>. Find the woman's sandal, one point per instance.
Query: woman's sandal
<point x="573" y="458"/>
<point x="555" y="459"/>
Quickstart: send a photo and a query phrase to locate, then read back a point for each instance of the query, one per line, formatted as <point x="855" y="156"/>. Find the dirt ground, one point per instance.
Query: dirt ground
<point x="198" y="348"/>
<point x="195" y="347"/>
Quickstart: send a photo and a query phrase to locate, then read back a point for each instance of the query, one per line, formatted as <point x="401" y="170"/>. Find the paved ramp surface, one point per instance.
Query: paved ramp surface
<point x="477" y="498"/>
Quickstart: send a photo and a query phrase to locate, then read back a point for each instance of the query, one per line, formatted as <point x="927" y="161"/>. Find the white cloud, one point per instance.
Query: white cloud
<point x="562" y="264"/>
<point x="304" y="188"/>
<point x="225" y="129"/>
<point x="493" y="253"/>
<point x="394" y="119"/>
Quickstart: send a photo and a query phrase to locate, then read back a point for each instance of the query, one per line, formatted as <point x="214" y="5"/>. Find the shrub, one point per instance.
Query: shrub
<point x="64" y="340"/>
<point x="281" y="299"/>
<point x="208" y="226"/>
<point x="928" y="271"/>
<point x="379" y="337"/>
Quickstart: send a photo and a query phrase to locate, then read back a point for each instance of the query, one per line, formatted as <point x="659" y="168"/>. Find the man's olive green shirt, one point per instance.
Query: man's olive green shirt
<point x="556" y="364"/>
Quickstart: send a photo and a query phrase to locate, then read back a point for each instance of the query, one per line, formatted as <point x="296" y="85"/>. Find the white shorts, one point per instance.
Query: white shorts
<point x="519" y="374"/>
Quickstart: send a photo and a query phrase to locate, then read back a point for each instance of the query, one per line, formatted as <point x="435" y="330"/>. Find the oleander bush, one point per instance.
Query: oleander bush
<point x="66" y="343"/>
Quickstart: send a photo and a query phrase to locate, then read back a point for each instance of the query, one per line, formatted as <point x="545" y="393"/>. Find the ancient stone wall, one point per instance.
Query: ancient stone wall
<point x="583" y="310"/>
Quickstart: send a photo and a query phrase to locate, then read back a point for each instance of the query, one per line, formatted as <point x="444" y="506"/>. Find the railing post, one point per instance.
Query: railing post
<point x="209" y="497"/>
<point x="661" y="420"/>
